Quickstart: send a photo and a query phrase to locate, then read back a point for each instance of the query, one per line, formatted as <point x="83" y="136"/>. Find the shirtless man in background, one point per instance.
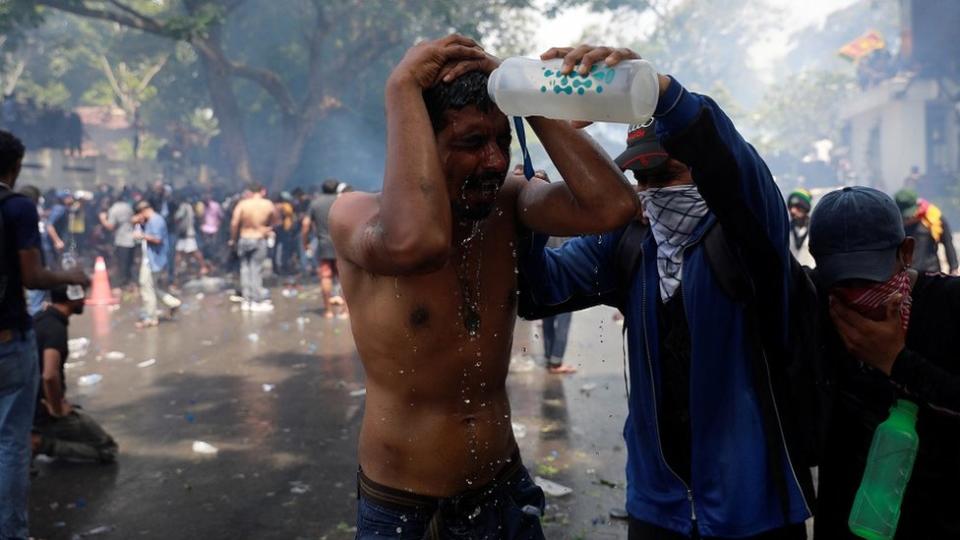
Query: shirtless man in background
<point x="429" y="272"/>
<point x="253" y="220"/>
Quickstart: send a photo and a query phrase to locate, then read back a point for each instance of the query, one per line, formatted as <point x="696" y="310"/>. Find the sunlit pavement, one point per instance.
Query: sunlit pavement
<point x="278" y="396"/>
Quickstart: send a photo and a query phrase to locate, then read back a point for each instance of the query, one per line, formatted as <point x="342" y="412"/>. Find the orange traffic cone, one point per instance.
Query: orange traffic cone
<point x="100" y="293"/>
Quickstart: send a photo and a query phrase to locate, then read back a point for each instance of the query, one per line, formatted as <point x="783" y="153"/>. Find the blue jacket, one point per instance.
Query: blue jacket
<point x="731" y="492"/>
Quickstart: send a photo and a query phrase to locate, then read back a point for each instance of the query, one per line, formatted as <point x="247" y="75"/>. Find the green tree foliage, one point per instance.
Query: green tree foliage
<point x="273" y="71"/>
<point x="800" y="109"/>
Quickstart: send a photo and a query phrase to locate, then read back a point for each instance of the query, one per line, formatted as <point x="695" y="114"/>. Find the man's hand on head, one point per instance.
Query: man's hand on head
<point x="453" y="70"/>
<point x="424" y="63"/>
<point x="876" y="343"/>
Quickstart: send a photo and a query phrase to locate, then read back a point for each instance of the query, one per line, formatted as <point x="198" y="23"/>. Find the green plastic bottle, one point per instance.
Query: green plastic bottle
<point x="876" y="508"/>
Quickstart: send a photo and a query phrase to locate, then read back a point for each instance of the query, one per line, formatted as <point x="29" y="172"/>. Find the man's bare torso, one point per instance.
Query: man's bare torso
<point x="256" y="217"/>
<point x="436" y="348"/>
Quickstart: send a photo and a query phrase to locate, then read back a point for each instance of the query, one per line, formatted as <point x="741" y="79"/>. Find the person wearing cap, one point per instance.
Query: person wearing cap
<point x="709" y="451"/>
<point x="799" y="203"/>
<point x="154" y="238"/>
<point x="924" y="222"/>
<point x="58" y="224"/>
<point x="61" y="429"/>
<point x="894" y="335"/>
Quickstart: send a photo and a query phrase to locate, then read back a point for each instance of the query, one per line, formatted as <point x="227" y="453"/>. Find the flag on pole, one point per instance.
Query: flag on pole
<point x="862" y="46"/>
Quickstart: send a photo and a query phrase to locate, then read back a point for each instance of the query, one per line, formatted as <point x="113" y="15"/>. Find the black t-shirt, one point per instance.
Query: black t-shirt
<point x="926" y="372"/>
<point x="51" y="328"/>
<point x="21" y="231"/>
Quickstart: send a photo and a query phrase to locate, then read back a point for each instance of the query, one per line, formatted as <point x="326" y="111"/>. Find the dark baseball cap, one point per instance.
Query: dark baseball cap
<point x="855" y="233"/>
<point x="643" y="149"/>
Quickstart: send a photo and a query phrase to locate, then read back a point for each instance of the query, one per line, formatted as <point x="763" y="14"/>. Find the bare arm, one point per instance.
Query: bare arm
<point x="408" y="228"/>
<point x="305" y="231"/>
<point x="54" y="237"/>
<point x="105" y="222"/>
<point x="53" y="385"/>
<point x="235" y="222"/>
<point x="36" y="276"/>
<point x="595" y="196"/>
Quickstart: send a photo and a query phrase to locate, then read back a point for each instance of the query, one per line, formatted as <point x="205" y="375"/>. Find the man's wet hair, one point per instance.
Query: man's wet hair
<point x="329" y="186"/>
<point x="466" y="90"/>
<point x="11" y="153"/>
<point x="254" y="187"/>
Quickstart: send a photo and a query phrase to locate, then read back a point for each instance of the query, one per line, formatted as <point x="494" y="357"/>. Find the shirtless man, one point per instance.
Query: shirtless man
<point x="428" y="268"/>
<point x="253" y="220"/>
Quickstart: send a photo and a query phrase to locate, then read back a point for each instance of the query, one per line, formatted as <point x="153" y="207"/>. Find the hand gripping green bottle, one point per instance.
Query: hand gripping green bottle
<point x="876" y="508"/>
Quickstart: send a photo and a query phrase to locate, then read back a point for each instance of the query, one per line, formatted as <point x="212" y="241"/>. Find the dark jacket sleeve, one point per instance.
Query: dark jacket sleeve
<point x="927" y="381"/>
<point x="947" y="240"/>
<point x="738" y="188"/>
<point x="577" y="275"/>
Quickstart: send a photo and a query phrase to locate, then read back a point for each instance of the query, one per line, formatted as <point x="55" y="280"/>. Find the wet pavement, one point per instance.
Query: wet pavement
<point x="279" y="396"/>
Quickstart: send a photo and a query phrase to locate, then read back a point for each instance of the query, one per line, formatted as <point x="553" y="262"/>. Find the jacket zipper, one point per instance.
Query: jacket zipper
<point x="783" y="437"/>
<point x="653" y="389"/>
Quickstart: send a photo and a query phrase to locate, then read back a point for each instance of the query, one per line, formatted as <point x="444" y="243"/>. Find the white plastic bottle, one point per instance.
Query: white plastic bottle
<point x="626" y="93"/>
<point x="69" y="262"/>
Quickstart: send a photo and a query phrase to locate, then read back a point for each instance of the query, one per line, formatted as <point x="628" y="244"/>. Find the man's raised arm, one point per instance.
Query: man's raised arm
<point x="408" y="227"/>
<point x="595" y="196"/>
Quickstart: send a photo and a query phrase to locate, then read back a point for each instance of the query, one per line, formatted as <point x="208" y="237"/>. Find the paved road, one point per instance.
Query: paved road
<point x="272" y="392"/>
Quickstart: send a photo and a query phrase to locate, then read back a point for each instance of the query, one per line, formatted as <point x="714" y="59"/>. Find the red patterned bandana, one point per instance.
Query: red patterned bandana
<point x="869" y="301"/>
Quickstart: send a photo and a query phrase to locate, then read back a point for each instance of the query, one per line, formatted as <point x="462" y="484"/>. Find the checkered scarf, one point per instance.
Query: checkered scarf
<point x="674" y="212"/>
<point x="869" y="301"/>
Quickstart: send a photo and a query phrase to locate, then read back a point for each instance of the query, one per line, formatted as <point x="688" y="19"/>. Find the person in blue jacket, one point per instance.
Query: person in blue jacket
<point x="710" y="452"/>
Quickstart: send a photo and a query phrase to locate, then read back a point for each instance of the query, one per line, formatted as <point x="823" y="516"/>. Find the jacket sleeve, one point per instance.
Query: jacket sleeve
<point x="948" y="245"/>
<point x="732" y="178"/>
<point x="927" y="381"/>
<point x="577" y="275"/>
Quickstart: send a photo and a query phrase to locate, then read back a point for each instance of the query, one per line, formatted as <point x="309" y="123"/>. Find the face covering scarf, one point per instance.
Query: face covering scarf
<point x="674" y="212"/>
<point x="869" y="301"/>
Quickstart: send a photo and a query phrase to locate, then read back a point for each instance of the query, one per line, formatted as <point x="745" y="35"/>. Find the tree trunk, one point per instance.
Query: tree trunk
<point x="296" y="133"/>
<point x="229" y="119"/>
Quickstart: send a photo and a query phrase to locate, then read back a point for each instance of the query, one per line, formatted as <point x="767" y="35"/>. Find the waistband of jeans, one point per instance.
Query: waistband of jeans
<point x="407" y="501"/>
<point x="8" y="335"/>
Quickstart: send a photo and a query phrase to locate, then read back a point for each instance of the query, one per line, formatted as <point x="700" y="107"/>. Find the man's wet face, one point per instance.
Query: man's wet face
<point x="474" y="152"/>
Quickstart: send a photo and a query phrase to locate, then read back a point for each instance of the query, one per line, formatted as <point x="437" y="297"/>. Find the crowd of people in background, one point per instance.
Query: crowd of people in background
<point x="156" y="238"/>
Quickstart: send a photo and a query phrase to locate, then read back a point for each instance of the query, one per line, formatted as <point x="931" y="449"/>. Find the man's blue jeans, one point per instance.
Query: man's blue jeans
<point x="19" y="380"/>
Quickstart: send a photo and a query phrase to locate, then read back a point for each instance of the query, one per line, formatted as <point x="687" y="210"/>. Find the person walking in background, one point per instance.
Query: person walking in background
<point x="154" y="238"/>
<point x="58" y="226"/>
<point x="186" y="228"/>
<point x="210" y="228"/>
<point x="20" y="266"/>
<point x="317" y="222"/>
<point x="286" y="235"/>
<point x="252" y="224"/>
<point x="799" y="203"/>
<point x="118" y="219"/>
<point x="924" y="222"/>
<point x="63" y="430"/>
